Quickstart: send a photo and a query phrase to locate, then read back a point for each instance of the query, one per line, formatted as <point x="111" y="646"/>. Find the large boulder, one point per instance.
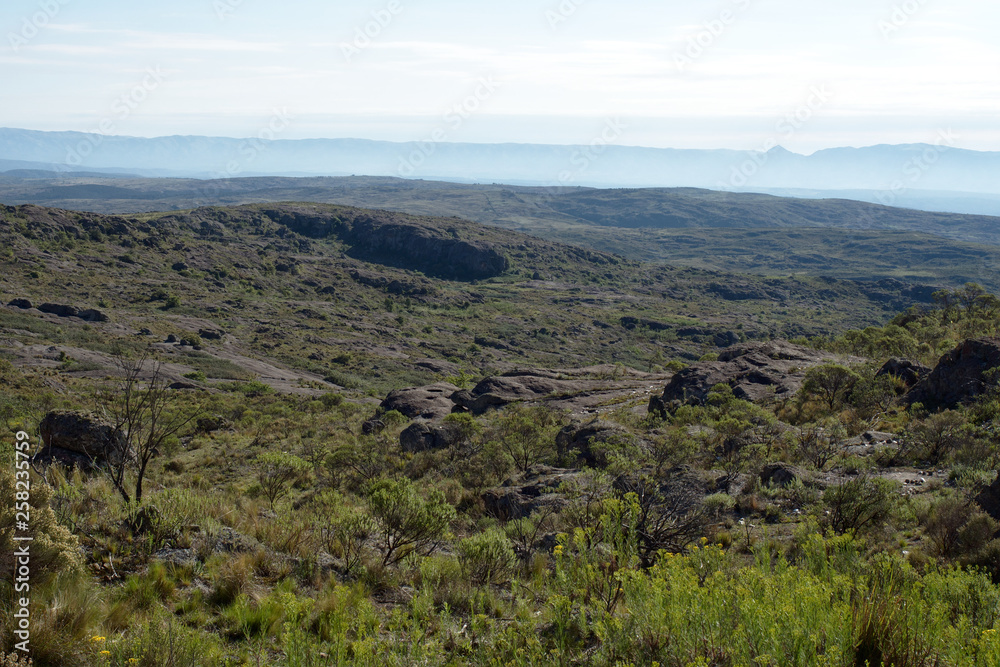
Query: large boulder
<point x="502" y="390"/>
<point x="910" y="372"/>
<point x="780" y="474"/>
<point x="528" y="492"/>
<point x="62" y="310"/>
<point x="430" y="402"/>
<point x="59" y="309"/>
<point x="80" y="434"/>
<point x="989" y="499"/>
<point x="959" y="376"/>
<point x="586" y="439"/>
<point x="755" y="371"/>
<point x="421" y="436"/>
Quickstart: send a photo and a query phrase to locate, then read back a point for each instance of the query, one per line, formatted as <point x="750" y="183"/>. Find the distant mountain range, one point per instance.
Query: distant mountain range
<point x="925" y="176"/>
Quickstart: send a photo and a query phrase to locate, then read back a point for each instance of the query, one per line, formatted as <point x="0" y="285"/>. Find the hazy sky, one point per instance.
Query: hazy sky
<point x="732" y="73"/>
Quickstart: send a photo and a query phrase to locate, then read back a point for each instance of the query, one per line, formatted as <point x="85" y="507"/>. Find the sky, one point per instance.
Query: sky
<point x="740" y="74"/>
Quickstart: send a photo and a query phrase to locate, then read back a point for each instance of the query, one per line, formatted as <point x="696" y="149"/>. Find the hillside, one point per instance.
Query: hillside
<point x="362" y="437"/>
<point x="341" y="293"/>
<point x="715" y="230"/>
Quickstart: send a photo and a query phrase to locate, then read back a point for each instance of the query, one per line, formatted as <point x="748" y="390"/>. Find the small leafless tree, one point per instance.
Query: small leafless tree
<point x="140" y="406"/>
<point x="670" y="514"/>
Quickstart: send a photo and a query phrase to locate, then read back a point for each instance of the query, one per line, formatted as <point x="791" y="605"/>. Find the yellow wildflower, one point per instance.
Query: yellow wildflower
<point x="558" y="550"/>
<point x="105" y="652"/>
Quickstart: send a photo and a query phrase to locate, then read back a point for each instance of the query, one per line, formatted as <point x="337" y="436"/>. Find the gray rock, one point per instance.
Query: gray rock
<point x="93" y="315"/>
<point x="81" y="433"/>
<point x="176" y="556"/>
<point x="583" y="438"/>
<point x="20" y="303"/>
<point x="211" y="334"/>
<point x="910" y="372"/>
<point x="989" y="499"/>
<point x="59" y="309"/>
<point x="527" y="493"/>
<point x="959" y="376"/>
<point x="779" y="474"/>
<point x="756" y="372"/>
<point x="421" y="436"/>
<point x="430" y="402"/>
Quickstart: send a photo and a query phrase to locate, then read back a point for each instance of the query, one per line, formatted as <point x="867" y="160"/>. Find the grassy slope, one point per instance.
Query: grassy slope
<point x="293" y="300"/>
<point x="677" y="226"/>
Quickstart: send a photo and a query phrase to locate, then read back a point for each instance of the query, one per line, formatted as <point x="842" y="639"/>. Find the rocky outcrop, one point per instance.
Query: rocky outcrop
<point x="423" y="248"/>
<point x="392" y="286"/>
<point x="959" y="376"/>
<point x="585" y="439"/>
<point x="989" y="499"/>
<point x="62" y="310"/>
<point x="69" y="435"/>
<point x="20" y="303"/>
<point x="430" y="402"/>
<point x="527" y="493"/>
<point x="780" y="474"/>
<point x="755" y="371"/>
<point x="501" y="390"/>
<point x="422" y="436"/>
<point x="392" y="239"/>
<point x="910" y="372"/>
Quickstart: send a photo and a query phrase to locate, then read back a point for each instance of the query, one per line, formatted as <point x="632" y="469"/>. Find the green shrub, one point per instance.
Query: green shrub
<point x="404" y="521"/>
<point x="860" y="504"/>
<point x="487" y="558"/>
<point x="276" y="471"/>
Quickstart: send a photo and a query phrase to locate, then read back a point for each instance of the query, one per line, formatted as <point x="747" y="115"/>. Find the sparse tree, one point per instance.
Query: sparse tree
<point x="526" y="435"/>
<point x="860" y="504"/>
<point x="276" y="471"/>
<point x="404" y="521"/>
<point x="141" y="407"/>
<point x="830" y="382"/>
<point x="668" y="515"/>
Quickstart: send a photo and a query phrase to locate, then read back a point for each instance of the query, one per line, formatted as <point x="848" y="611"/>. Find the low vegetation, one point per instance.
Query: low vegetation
<point x="281" y="521"/>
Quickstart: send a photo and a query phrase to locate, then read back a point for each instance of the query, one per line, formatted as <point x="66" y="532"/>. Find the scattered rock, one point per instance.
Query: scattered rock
<point x="959" y="376"/>
<point x="372" y="426"/>
<point x="210" y="424"/>
<point x="631" y="323"/>
<point x="989" y="499"/>
<point x="228" y="540"/>
<point x="20" y="303"/>
<point x="179" y="385"/>
<point x="179" y="557"/>
<point x="583" y="438"/>
<point x="439" y="366"/>
<point x="172" y="339"/>
<point x="523" y="385"/>
<point x="779" y="474"/>
<point x="59" y="310"/>
<point x="93" y="315"/>
<point x="82" y="434"/>
<point x="910" y="372"/>
<point x="211" y="334"/>
<point x="528" y="492"/>
<point x="430" y="402"/>
<point x="755" y="371"/>
<point x="421" y="436"/>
